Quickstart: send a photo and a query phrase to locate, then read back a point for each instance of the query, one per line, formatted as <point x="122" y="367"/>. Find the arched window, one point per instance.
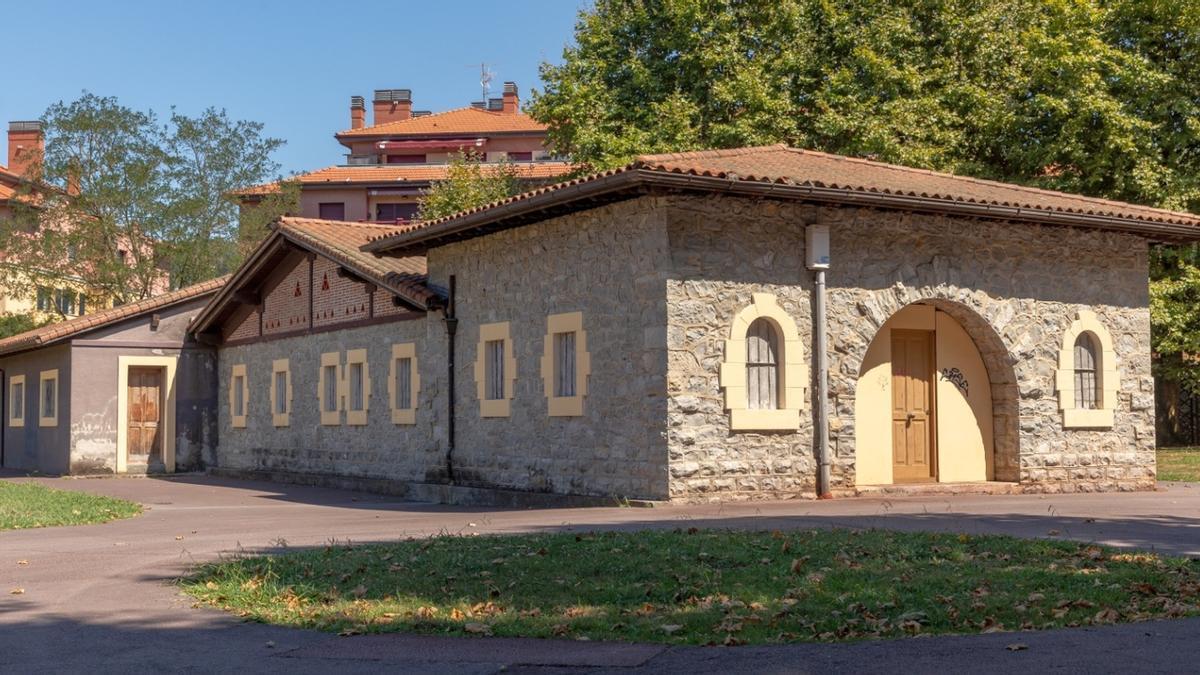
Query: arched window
<point x="762" y="366"/>
<point x="1086" y="390"/>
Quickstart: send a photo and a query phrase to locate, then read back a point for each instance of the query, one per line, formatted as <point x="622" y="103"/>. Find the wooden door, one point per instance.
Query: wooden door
<point x="145" y="415"/>
<point x="913" y="401"/>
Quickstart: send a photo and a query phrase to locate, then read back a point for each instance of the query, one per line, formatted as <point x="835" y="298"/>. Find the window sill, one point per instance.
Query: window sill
<point x="238" y="422"/>
<point x="407" y="416"/>
<point x="495" y="408"/>
<point x="281" y="419"/>
<point x="48" y="422"/>
<point x="565" y="406"/>
<point x="331" y="418"/>
<point x="1076" y="418"/>
<point x="764" y="420"/>
<point x="16" y="424"/>
<point x="356" y="418"/>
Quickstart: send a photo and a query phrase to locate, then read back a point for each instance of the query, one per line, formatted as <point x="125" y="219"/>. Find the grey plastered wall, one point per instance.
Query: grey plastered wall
<point x="380" y="449"/>
<point x="95" y="357"/>
<point x="610" y="263"/>
<point x="33" y="447"/>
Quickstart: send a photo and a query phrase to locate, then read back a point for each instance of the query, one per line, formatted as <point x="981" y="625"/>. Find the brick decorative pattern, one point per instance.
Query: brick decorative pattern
<point x="337" y="299"/>
<point x="247" y="329"/>
<point x="286" y="305"/>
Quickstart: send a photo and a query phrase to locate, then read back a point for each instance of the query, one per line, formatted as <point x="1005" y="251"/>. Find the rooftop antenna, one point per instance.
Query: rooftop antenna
<point x="485" y="79"/>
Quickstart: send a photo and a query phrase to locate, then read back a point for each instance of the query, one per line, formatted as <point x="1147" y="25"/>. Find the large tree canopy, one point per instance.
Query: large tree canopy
<point x="119" y="204"/>
<point x="1100" y="97"/>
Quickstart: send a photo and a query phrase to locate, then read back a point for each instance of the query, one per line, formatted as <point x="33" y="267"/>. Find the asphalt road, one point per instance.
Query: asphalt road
<point x="100" y="598"/>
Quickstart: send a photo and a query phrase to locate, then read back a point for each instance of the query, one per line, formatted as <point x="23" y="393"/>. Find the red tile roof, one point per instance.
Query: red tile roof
<point x="390" y="174"/>
<point x="789" y="173"/>
<point x="57" y="332"/>
<point x="468" y="120"/>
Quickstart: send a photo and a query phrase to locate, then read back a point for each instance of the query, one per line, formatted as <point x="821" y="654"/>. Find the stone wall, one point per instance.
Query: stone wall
<point x="380" y="449"/>
<point x="1015" y="288"/>
<point x="610" y="264"/>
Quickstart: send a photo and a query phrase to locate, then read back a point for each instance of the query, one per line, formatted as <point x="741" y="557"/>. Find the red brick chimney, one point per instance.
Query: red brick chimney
<point x="25" y="146"/>
<point x="391" y="105"/>
<point x="512" y="104"/>
<point x="358" y="112"/>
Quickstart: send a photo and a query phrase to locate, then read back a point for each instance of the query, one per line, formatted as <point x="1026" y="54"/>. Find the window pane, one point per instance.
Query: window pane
<point x="331" y="211"/>
<point x="356" y="386"/>
<point x="280" y="392"/>
<point x="494" y="370"/>
<point x="564" y="364"/>
<point x="404" y="384"/>
<point x="331" y="402"/>
<point x="1087" y="394"/>
<point x="239" y="396"/>
<point x="762" y="367"/>
<point x="18" y="400"/>
<point x="49" y="397"/>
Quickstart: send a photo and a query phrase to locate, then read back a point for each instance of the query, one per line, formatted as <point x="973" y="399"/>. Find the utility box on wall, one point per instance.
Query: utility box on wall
<point x="816" y="246"/>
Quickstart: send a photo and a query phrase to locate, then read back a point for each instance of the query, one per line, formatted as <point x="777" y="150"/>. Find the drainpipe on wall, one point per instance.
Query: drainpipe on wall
<point x="451" y="330"/>
<point x="3" y="412"/>
<point x="817" y="254"/>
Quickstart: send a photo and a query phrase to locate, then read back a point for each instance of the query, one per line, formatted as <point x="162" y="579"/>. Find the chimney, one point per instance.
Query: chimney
<point x="358" y="112"/>
<point x="25" y="146"/>
<point x="392" y="105"/>
<point x="512" y="104"/>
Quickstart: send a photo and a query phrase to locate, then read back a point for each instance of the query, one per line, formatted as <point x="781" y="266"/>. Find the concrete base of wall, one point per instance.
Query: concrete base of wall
<point x="437" y="493"/>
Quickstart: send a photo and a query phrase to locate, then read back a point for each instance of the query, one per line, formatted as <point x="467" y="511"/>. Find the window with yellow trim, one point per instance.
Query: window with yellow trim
<point x="764" y="373"/>
<point x="16" y="401"/>
<point x="239" y="396"/>
<point x="495" y="370"/>
<point x="358" y="387"/>
<point x="48" y="399"/>
<point x="404" y="383"/>
<point x="566" y="364"/>
<point x="1087" y="379"/>
<point x="281" y="393"/>
<point x="329" y="388"/>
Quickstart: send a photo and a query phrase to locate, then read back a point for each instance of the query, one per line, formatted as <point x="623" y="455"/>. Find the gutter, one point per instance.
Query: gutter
<point x="448" y="315"/>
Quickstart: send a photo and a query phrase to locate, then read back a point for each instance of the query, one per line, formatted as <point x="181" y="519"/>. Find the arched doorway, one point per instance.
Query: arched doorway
<point x="935" y="400"/>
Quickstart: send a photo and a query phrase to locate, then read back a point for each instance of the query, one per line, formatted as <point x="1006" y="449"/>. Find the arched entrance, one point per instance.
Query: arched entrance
<point x="935" y="400"/>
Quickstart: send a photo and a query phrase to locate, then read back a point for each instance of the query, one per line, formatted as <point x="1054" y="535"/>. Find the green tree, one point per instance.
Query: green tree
<point x="14" y="324"/>
<point x="469" y="183"/>
<point x="120" y="205"/>
<point x="279" y="199"/>
<point x="1099" y="97"/>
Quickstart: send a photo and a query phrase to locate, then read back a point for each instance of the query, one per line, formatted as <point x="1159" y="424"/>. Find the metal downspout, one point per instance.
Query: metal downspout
<point x="451" y="330"/>
<point x="821" y="349"/>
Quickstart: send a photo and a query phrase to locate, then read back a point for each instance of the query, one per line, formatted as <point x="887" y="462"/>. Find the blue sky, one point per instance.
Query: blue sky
<point x="291" y="65"/>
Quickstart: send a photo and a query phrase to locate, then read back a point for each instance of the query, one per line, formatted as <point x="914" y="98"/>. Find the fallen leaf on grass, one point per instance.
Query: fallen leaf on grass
<point x="1108" y="615"/>
<point x="671" y="628"/>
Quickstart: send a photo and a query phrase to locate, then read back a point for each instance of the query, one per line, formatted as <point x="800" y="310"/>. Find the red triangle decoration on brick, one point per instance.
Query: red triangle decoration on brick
<point x="325" y="281"/>
<point x="296" y="293"/>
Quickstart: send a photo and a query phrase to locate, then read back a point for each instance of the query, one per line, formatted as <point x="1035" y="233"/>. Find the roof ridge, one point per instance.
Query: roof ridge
<point x="986" y="181"/>
<point x="715" y="152"/>
<point x="338" y="223"/>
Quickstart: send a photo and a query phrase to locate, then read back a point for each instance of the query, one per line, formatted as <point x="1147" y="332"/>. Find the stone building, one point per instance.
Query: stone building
<point x="653" y="332"/>
<point x="122" y="390"/>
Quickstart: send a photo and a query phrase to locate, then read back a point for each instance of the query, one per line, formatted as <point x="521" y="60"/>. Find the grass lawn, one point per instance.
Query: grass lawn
<point x="26" y="505"/>
<point x="702" y="586"/>
<point x="1179" y="464"/>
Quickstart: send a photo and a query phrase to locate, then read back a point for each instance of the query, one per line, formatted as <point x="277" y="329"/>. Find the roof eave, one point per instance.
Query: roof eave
<point x="414" y="302"/>
<point x="626" y="179"/>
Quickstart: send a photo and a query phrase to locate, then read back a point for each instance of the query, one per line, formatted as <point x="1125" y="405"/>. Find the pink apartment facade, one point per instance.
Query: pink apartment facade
<point x="391" y="162"/>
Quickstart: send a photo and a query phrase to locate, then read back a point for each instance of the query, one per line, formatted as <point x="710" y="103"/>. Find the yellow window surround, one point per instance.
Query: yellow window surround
<point x="331" y="411"/>
<point x="48" y="381"/>
<point x="501" y="407"/>
<point x="237" y="417"/>
<point x="1101" y="417"/>
<point x="793" y="371"/>
<point x="565" y="406"/>
<point x="356" y="357"/>
<point x="281" y="418"/>
<point x="16" y="401"/>
<point x="404" y="415"/>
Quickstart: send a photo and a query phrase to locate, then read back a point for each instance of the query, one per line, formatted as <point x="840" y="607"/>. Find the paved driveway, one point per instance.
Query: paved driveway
<point x="99" y="598"/>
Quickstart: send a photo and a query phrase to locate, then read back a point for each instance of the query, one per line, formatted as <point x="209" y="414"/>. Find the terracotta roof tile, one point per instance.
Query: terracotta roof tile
<point x="57" y="332"/>
<point x="467" y="120"/>
<point x="397" y="173"/>
<point x="843" y="177"/>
